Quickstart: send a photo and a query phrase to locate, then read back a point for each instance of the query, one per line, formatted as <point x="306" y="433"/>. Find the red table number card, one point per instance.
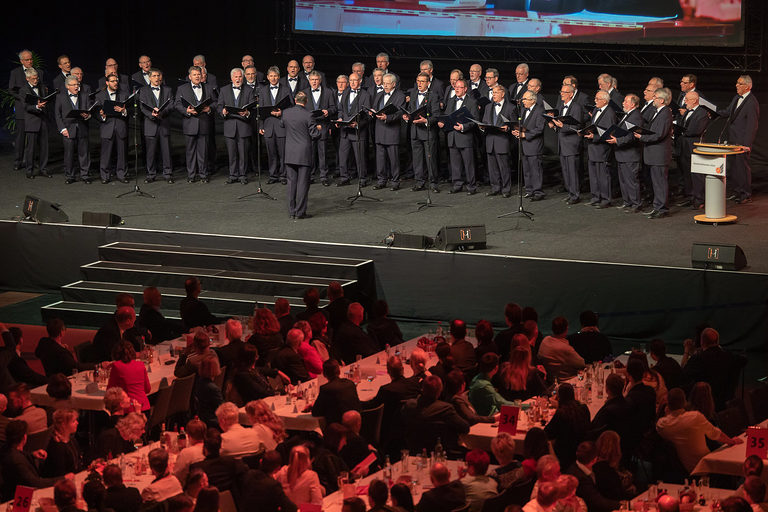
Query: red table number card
<point x="508" y="419"/>
<point x="22" y="500"/>
<point x="757" y="442"/>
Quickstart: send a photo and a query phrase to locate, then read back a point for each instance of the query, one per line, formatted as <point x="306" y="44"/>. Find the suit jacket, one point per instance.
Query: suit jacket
<point x="426" y="421"/>
<point x="642" y="405"/>
<point x="482" y="88"/>
<point x="301" y="83"/>
<point x="436" y="86"/>
<point x="63" y="107"/>
<point x="694" y="125"/>
<point x="581" y="98"/>
<point x="194" y="313"/>
<point x="498" y="143"/>
<point x="334" y="399"/>
<point x="54" y="357"/>
<point x="463" y="353"/>
<point x="291" y="363"/>
<point x="591" y="345"/>
<point x="533" y="142"/>
<point x="16" y="81"/>
<point x="568" y="141"/>
<point x="388" y="131"/>
<point x="658" y="146"/>
<point x="601" y="151"/>
<point x="613" y="415"/>
<point x="272" y="125"/>
<point x="19" y="370"/>
<point x="138" y="77"/>
<point x="628" y="148"/>
<point x="19" y="468"/>
<point x="670" y="370"/>
<point x="122" y="499"/>
<point x="264" y="493"/>
<point x="446" y="497"/>
<point x="743" y="120"/>
<point x="193" y="124"/>
<point x="327" y="101"/>
<point x="520" y="91"/>
<point x="224" y="473"/>
<point x="348" y="109"/>
<point x="349" y="340"/>
<point x="300" y="129"/>
<point x="720" y="368"/>
<point x="587" y="490"/>
<point x="106" y="338"/>
<point x="462" y="139"/>
<point x="235" y="125"/>
<point x="160" y="125"/>
<point x="616" y="97"/>
<point x="112" y="126"/>
<point x="33" y="116"/>
<point x="420" y="131"/>
<point x="59" y="82"/>
<point x="392" y="395"/>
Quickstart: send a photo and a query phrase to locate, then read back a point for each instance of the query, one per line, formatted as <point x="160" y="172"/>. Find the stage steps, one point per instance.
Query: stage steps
<point x="233" y="281"/>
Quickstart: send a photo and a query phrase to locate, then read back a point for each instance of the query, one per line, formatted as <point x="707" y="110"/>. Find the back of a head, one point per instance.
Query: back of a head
<point x="419" y="360"/>
<point x="15" y="431"/>
<point x="565" y="394"/>
<point x="355" y="313"/>
<point x="709" y="338"/>
<point x="93" y="491"/>
<point x="658" y="348"/>
<point x="754" y="489"/>
<point x="233" y="329"/>
<point x="503" y="447"/>
<point x="352" y="420"/>
<point x="191" y="286"/>
<point x="478" y="461"/>
<point x="547" y="468"/>
<point x="294" y="338"/>
<point x="54" y="327"/>
<point x="635" y="370"/>
<point x="676" y="399"/>
<point x="559" y="326"/>
<point x="180" y="503"/>
<point x="395" y="367"/>
<point x="735" y="504"/>
<point x="513" y="313"/>
<point x="547" y="494"/>
<point x="530" y="313"/>
<point x="614" y="384"/>
<point x="488" y="362"/>
<point x="530" y="329"/>
<point x="484" y="332"/>
<point x="458" y="329"/>
<point x="124" y="300"/>
<point x="158" y="461"/>
<point x="59" y="387"/>
<point x="212" y="442"/>
<point x="586" y="452"/>
<point x="271" y="462"/>
<point x="431" y="387"/>
<point x="588" y="318"/>
<point x="454" y="380"/>
<point x="335" y="290"/>
<point x="201" y="341"/>
<point x="440" y="474"/>
<point x="353" y="505"/>
<point x="378" y="493"/>
<point x="311" y="297"/>
<point x="112" y="475"/>
<point x="282" y="307"/>
<point x="64" y="493"/>
<point x="331" y="369"/>
<point x="152" y="296"/>
<point x="753" y="466"/>
<point x="207" y="500"/>
<point x="535" y="443"/>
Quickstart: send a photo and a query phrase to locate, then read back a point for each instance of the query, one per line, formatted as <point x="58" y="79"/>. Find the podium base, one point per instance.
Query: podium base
<point x="703" y="219"/>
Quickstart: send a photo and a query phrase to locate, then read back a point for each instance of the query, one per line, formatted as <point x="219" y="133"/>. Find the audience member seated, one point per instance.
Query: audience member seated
<point x="94" y="491"/>
<point x="198" y="348"/>
<point x="207" y="394"/>
<point x="326" y="460"/>
<point x="313" y="363"/>
<point x="482" y="395"/>
<point x="589" y="342"/>
<point x="180" y="503"/>
<point x="283" y="315"/>
<point x="641" y="400"/>
<point x="289" y="361"/>
<point x="418" y="364"/>
<point x="60" y="389"/>
<point x="532" y="335"/>
<point x="382" y="329"/>
<point x="349" y="340"/>
<point x="668" y="367"/>
<point x="335" y="397"/>
<point x="715" y="366"/>
<point x="238" y="441"/>
<point x="118" y="497"/>
<point x="462" y="351"/>
<point x="753" y="466"/>
<point x="230" y="354"/>
<point x="477" y="485"/>
<point x="311" y="300"/>
<point x="378" y="495"/>
<point x="567" y="485"/>
<point x="688" y="430"/>
<point x="700" y="399"/>
<point x="249" y="380"/>
<point x="259" y="413"/>
<point x="545" y="500"/>
<point x="18" y="466"/>
<point x="110" y="333"/>
<point x="568" y="426"/>
<point x="260" y="491"/>
<point x="535" y="446"/>
<point x="151" y="319"/>
<point x="356" y="449"/>
<point x="63" y="452"/>
<point x="586" y="457"/>
<point x="65" y="496"/>
<point x="754" y="493"/>
<point x="353" y="505"/>
<point x="191" y="453"/>
<point x="165" y="484"/>
<point x="300" y="483"/>
<point x="114" y="441"/>
<point x="20" y="401"/>
<point x="611" y="479"/>
<point x="224" y="472"/>
<point x="197" y="480"/>
<point x="266" y="334"/>
<point x="547" y="470"/>
<point x="110" y="336"/>
<point x="338" y="304"/>
<point x="655" y="381"/>
<point x="513" y="316"/>
<point x="194" y="312"/>
<point x="735" y="504"/>
<point x="455" y="392"/>
<point x="427" y="418"/>
<point x="557" y="355"/>
<point x="614" y="414"/>
<point x="484" y="335"/>
<point x="130" y="374"/>
<point x="517" y="379"/>
<point x="207" y="500"/>
<point x="17" y="365"/>
<point x="401" y="498"/>
<point x="509" y="471"/>
<point x="445" y="494"/>
<point x="444" y="361"/>
<point x="320" y="339"/>
<point x="55" y="356"/>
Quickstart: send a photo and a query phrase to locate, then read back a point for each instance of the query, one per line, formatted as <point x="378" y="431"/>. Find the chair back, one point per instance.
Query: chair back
<point x="732" y="421"/>
<point x="39" y="440"/>
<point x="757" y="404"/>
<point x="85" y="352"/>
<point x="517" y="494"/>
<point x="226" y="502"/>
<point x="181" y="395"/>
<point x="371" y="424"/>
<point x="159" y="412"/>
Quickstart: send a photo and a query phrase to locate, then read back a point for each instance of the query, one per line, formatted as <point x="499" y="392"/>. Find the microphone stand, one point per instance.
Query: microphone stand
<point x="259" y="191"/>
<point x="520" y="209"/>
<point x="359" y="194"/>
<point x="136" y="189"/>
<point x="427" y="203"/>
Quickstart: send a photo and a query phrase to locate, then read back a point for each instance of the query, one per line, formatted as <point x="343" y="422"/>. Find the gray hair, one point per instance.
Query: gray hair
<point x="534" y="81"/>
<point x="390" y="76"/>
<point x="378" y="71"/>
<point x="273" y="69"/>
<point x="70" y="79"/>
<point x="235" y="70"/>
<point x="569" y="88"/>
<point x="30" y="72"/>
<point x="664" y="93"/>
<point x="603" y="95"/>
<point x="534" y="96"/>
<point x="383" y="54"/>
<point x="427" y="62"/>
<point x="199" y="57"/>
<point x="493" y="71"/>
<point x="524" y="66"/>
<point x="194" y="68"/>
<point x="315" y="73"/>
<point x="342" y="77"/>
<point x="657" y="80"/>
<point x="634" y="99"/>
<point x="358" y="64"/>
<point x="747" y="79"/>
<point x="22" y="52"/>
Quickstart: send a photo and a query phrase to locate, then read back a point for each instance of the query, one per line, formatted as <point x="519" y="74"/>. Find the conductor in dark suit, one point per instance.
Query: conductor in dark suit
<point x="693" y="122"/>
<point x="658" y="151"/>
<point x="337" y="396"/>
<point x="460" y="141"/>
<point x="113" y="129"/>
<point x="743" y="115"/>
<point x="157" y="126"/>
<point x="424" y="133"/>
<point x="388" y="133"/>
<point x="16" y="81"/>
<point x="600" y="152"/>
<point x="568" y="140"/>
<point x="629" y="154"/>
<point x="353" y="100"/>
<point x="74" y="131"/>
<point x="532" y="132"/>
<point x="300" y="130"/>
<point x="36" y="124"/>
<point x="271" y="128"/>
<point x="320" y="98"/>
<point x="195" y="125"/>
<point x="497" y="145"/>
<point x="237" y="126"/>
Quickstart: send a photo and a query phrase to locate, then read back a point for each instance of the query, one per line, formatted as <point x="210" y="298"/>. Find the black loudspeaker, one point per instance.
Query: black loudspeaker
<point x="40" y="210"/>
<point x="718" y="256"/>
<point x="411" y="241"/>
<point x="101" y="219"/>
<point x="461" y="238"/>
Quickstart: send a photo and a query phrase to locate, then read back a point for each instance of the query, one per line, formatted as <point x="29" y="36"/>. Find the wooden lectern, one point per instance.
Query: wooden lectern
<point x="711" y="160"/>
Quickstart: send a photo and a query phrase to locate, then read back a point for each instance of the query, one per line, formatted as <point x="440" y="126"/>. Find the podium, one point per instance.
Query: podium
<point x="711" y="160"/>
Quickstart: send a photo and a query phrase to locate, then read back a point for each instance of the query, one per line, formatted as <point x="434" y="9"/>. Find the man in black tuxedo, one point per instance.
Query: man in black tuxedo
<point x="743" y="115"/>
<point x="517" y="89"/>
<point x="271" y="127"/>
<point x="461" y="142"/>
<point x="687" y="84"/>
<point x="84" y="88"/>
<point x="258" y="78"/>
<point x="388" y="134"/>
<point x="300" y="130"/>
<point x="208" y="79"/>
<point x="424" y="134"/>
<point x="141" y="77"/>
<point x="657" y="152"/>
<point x="237" y="126"/>
<point x="287" y="359"/>
<point x="337" y="396"/>
<point x="353" y="137"/>
<point x="497" y="144"/>
<point x="649" y="109"/>
<point x="629" y="154"/>
<point x="308" y="66"/>
<point x="113" y="129"/>
<point x="73" y="131"/>
<point x="294" y="80"/>
<point x="450" y="91"/>
<point x="476" y="82"/>
<point x="568" y="140"/>
<point x="15" y="83"/>
<point x="607" y="83"/>
<point x="534" y="85"/>
<point x="600" y="152"/>
<point x="580" y="97"/>
<point x="65" y="67"/>
<point x="157" y="126"/>
<point x="320" y="99"/>
<point x="111" y="68"/>
<point x="195" y="126"/>
<point x="35" y="124"/>
<point x="436" y="86"/>
<point x="491" y="79"/>
<point x="382" y="63"/>
<point x="693" y="123"/>
<point x="532" y="133"/>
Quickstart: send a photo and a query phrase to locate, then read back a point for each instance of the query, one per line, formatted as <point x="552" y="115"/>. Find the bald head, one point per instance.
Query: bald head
<point x="352" y="420"/>
<point x="440" y="474"/>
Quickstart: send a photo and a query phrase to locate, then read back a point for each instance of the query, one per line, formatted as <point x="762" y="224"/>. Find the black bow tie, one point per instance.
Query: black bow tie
<point x="741" y="97"/>
<point x="73" y="95"/>
<point x="155" y="88"/>
<point x="274" y="86"/>
<point x="67" y="74"/>
<point x="292" y="79"/>
<point x="459" y="99"/>
<point x="353" y="91"/>
<point x="235" y="88"/>
<point x="196" y="87"/>
<point x="422" y="93"/>
<point x="315" y="90"/>
<point x="144" y="73"/>
<point x="497" y="104"/>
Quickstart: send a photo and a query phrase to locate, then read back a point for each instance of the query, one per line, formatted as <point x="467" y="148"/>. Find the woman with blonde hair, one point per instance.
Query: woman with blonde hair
<point x="63" y="451"/>
<point x="567" y="501"/>
<point x="300" y="483"/>
<point x="517" y="379"/>
<point x="655" y="380"/>
<point x="259" y="413"/>
<point x="612" y="481"/>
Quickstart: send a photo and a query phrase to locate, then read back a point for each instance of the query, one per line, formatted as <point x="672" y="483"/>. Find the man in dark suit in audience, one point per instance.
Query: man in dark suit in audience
<point x="300" y="130"/>
<point x="445" y="494"/>
<point x="716" y="366"/>
<point x="353" y="138"/>
<point x="568" y="141"/>
<point x="288" y="360"/>
<point x="423" y="134"/>
<point x="462" y="351"/>
<point x="641" y="399"/>
<point x="666" y="366"/>
<point x="428" y="417"/>
<point x="693" y="122"/>
<point x="460" y="141"/>
<point x="657" y="152"/>
<point x="17" y="366"/>
<point x="19" y="467"/>
<point x="337" y="396"/>
<point x="387" y="134"/>
<point x="113" y="129"/>
<point x="195" y="126"/>
<point x="157" y="125"/>
<point x="271" y="126"/>
<point x="237" y="125"/>
<point x="743" y="115"/>
<point x="224" y="472"/>
<point x="600" y="152"/>
<point x="117" y="496"/>
<point x="497" y="145"/>
<point x="337" y="307"/>
<point x="55" y="356"/>
<point x="629" y="154"/>
<point x="532" y="133"/>
<point x="589" y="342"/>
<point x="320" y="99"/>
<point x="36" y="124"/>
<point x="260" y="491"/>
<point x="74" y="131"/>
<point x="615" y="413"/>
<point x="194" y="312"/>
<point x="349" y="340"/>
<point x="16" y="81"/>
<point x="586" y="456"/>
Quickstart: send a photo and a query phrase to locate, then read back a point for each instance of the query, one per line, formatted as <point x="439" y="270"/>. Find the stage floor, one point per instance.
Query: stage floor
<point x="577" y="232"/>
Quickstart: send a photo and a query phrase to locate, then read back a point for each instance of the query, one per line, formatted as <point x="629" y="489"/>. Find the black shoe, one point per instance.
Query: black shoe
<point x="652" y="212"/>
<point x="363" y="183"/>
<point x="205" y="180"/>
<point x="744" y="200"/>
<point x="573" y="201"/>
<point x="471" y="192"/>
<point x="506" y="195"/>
<point x="87" y="181"/>
<point x="305" y="216"/>
<point x="491" y="194"/>
<point x="633" y="209"/>
<point x="395" y="187"/>
<point x="149" y="180"/>
<point x="658" y="215"/>
<point x="623" y="206"/>
<point x="105" y="181"/>
<point x="170" y="181"/>
<point x="30" y="176"/>
<point x="684" y="203"/>
<point x="537" y="198"/>
<point x="244" y="180"/>
<point x="528" y="194"/>
<point x="342" y="183"/>
<point x="379" y="186"/>
<point x="191" y="180"/>
<point x="231" y="181"/>
<point x="70" y="181"/>
<point x="325" y="182"/>
<point x="593" y="203"/>
<point x="46" y="174"/>
<point x="435" y="189"/>
<point x="124" y="180"/>
<point x="454" y="191"/>
<point x="416" y="188"/>
<point x="270" y="181"/>
<point x="284" y="181"/>
<point x="603" y="206"/>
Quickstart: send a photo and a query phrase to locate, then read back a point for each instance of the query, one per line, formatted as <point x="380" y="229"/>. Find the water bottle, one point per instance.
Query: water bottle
<point x="182" y="439"/>
<point x="439" y="451"/>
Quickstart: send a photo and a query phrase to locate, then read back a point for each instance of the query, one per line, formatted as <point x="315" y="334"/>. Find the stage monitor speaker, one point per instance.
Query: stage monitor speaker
<point x="461" y="237"/>
<point x="718" y="256"/>
<point x="101" y="219"/>
<point x="40" y="210"/>
<point x="411" y="241"/>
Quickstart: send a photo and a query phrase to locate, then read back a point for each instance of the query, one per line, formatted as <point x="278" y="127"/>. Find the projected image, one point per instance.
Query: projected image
<point x="688" y="22"/>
